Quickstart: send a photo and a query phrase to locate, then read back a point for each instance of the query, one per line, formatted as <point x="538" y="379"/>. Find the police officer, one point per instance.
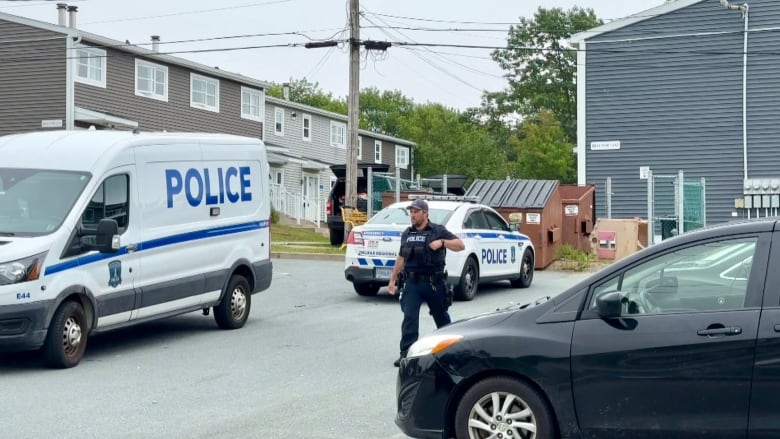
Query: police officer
<point x="423" y="249"/>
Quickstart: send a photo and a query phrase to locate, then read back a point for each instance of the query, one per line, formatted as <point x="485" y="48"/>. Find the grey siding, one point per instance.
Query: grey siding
<point x="119" y="99"/>
<point x="32" y="70"/>
<point x="675" y="103"/>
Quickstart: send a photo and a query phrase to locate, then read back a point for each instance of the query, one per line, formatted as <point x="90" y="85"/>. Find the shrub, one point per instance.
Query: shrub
<point x="274" y="216"/>
<point x="573" y="259"/>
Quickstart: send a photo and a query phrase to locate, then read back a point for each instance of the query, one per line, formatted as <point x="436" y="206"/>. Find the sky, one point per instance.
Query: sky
<point x="455" y="77"/>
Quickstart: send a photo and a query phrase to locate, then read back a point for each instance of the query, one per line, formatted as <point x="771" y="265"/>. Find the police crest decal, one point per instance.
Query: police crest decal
<point x="114" y="273"/>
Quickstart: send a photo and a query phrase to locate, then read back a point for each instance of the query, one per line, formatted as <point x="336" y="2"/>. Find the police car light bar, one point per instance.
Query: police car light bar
<point x="469" y="198"/>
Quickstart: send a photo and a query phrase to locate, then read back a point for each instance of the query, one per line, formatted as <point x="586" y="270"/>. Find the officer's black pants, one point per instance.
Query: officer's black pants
<point x="417" y="291"/>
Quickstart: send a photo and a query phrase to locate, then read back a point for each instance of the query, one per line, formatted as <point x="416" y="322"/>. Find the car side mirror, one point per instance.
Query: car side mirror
<point x="107" y="236"/>
<point x="610" y="305"/>
<point x="515" y="219"/>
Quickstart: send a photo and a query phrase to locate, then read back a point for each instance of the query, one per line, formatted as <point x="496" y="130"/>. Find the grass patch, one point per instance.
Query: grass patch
<point x="280" y="233"/>
<point x="572" y="259"/>
<point x="297" y="240"/>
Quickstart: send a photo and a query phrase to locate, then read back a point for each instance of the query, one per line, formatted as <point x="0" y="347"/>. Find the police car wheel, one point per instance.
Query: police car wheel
<point x="233" y="311"/>
<point x="366" y="289"/>
<point x="66" y="340"/>
<point x="526" y="271"/>
<point x="469" y="280"/>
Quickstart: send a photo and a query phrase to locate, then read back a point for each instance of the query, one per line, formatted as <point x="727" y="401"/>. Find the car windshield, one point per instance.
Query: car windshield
<point x="35" y="202"/>
<point x="397" y="215"/>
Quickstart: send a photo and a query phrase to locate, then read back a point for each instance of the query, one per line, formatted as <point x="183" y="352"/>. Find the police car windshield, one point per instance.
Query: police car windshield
<point x="397" y="215"/>
<point x="35" y="202"/>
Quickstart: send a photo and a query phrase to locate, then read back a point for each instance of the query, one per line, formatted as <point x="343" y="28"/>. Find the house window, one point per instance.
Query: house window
<point x="377" y="151"/>
<point x="338" y="132"/>
<point x="91" y="66"/>
<point x="277" y="176"/>
<point x="151" y="80"/>
<point x="204" y="93"/>
<point x="279" y="121"/>
<point x="401" y="156"/>
<point x="251" y="104"/>
<point x="307" y="127"/>
<point x="360" y="148"/>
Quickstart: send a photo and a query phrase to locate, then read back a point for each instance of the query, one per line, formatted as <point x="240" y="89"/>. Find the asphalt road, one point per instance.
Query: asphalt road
<point x="314" y="361"/>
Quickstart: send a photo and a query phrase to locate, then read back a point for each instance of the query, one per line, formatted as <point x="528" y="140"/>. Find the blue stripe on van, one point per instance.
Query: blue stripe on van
<point x="159" y="242"/>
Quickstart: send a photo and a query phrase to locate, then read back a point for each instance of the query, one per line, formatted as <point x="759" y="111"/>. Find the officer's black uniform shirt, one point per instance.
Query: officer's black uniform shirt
<point x="415" y="249"/>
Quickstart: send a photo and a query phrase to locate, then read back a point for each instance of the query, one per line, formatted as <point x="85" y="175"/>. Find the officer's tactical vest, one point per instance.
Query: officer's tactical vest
<point x="417" y="253"/>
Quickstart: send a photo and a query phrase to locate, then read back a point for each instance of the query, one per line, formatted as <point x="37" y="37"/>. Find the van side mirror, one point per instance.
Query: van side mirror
<point x="610" y="305"/>
<point x="107" y="236"/>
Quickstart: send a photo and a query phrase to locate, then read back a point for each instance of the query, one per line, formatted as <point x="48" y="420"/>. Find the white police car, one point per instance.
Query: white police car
<point x="493" y="251"/>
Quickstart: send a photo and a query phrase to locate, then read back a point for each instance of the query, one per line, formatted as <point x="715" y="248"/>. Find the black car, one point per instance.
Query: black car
<point x="681" y="340"/>
<point x="337" y="195"/>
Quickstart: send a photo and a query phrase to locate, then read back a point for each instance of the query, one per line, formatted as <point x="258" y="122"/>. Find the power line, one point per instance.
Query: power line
<point x="200" y="11"/>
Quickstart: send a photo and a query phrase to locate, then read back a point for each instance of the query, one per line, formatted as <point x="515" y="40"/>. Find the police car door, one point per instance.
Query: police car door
<point x="484" y="240"/>
<point x="504" y="258"/>
<point x="109" y="277"/>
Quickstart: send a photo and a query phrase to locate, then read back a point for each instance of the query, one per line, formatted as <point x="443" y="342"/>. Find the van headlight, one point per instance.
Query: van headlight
<point x="22" y="270"/>
<point x="433" y="344"/>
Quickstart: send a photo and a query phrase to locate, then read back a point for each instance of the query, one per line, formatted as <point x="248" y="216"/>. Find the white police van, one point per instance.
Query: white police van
<point x="493" y="250"/>
<point x="100" y="230"/>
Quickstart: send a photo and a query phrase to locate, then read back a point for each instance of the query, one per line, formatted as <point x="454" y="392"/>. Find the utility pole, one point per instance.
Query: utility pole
<point x="353" y="106"/>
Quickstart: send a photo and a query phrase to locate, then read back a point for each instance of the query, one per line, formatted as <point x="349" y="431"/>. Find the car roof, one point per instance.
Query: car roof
<point x="439" y="204"/>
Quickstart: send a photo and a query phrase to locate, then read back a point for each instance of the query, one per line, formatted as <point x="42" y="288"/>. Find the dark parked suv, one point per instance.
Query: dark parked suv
<point x="337" y="196"/>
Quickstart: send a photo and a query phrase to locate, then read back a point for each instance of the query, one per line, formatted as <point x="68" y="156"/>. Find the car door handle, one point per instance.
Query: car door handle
<point x="731" y="330"/>
<point x="132" y="247"/>
<point x="777" y="328"/>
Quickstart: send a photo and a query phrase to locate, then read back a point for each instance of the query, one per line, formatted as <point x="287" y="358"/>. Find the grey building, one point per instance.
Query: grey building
<point x="691" y="85"/>
<point x="56" y="76"/>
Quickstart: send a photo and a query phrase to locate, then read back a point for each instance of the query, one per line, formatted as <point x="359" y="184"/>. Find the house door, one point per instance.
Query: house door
<point x="311" y="196"/>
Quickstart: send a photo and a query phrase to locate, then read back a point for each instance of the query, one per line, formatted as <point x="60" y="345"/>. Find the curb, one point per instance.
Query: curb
<point x="307" y="256"/>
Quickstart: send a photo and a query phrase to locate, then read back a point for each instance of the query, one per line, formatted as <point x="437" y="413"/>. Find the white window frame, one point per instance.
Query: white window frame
<point x="306" y="130"/>
<point x="401" y="156"/>
<point x="377" y="151"/>
<point x="207" y="81"/>
<point x="279" y="121"/>
<point x="250" y="93"/>
<point x="155" y="69"/>
<point x="95" y="58"/>
<point x="360" y="148"/>
<point x="335" y="129"/>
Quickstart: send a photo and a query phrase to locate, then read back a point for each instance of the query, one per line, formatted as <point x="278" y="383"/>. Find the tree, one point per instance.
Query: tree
<point x="449" y="143"/>
<point x="384" y="112"/>
<point x="309" y="93"/>
<point x="540" y="69"/>
<point x="543" y="151"/>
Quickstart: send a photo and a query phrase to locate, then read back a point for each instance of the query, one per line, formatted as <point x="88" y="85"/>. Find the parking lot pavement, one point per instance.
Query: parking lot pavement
<point x="314" y="360"/>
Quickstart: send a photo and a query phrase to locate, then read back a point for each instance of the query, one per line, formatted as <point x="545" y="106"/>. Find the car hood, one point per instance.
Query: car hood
<point x="488" y="319"/>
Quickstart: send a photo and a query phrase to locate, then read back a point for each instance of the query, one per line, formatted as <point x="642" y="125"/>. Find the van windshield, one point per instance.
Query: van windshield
<point x="35" y="202"/>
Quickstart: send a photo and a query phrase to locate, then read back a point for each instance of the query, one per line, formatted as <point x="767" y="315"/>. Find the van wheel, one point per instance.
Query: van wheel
<point x="336" y="236"/>
<point x="526" y="271"/>
<point x="366" y="289"/>
<point x="233" y="311"/>
<point x="469" y="279"/>
<point x="503" y="404"/>
<point x="66" y="339"/>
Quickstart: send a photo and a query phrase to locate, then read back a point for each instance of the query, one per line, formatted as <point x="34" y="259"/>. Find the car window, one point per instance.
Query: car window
<point x="495" y="222"/>
<point x="711" y="276"/>
<point x="397" y="215"/>
<point x="475" y="220"/>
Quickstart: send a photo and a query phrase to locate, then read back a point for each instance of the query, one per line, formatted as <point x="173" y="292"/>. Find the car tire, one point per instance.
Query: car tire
<point x="365" y="289"/>
<point x="477" y="402"/>
<point x="466" y="288"/>
<point x="336" y="236"/>
<point x="66" y="339"/>
<point x="526" y="271"/>
<point x="233" y="311"/>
